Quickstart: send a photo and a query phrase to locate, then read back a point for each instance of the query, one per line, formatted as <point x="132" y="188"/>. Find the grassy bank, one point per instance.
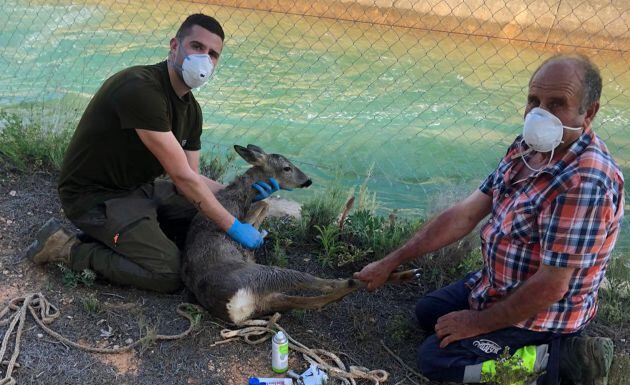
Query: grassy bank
<point x="29" y="145"/>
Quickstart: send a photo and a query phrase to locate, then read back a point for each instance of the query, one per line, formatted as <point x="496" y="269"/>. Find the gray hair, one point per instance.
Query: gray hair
<point x="591" y="82"/>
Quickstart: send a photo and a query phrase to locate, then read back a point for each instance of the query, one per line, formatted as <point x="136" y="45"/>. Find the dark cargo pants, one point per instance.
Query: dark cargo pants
<point x="136" y="239"/>
<point x="451" y="363"/>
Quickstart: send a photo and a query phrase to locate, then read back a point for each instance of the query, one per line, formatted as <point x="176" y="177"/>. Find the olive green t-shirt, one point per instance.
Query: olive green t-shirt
<point x="106" y="158"/>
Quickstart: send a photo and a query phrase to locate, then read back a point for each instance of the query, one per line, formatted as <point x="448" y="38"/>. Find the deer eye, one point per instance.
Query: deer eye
<point x="287" y="168"/>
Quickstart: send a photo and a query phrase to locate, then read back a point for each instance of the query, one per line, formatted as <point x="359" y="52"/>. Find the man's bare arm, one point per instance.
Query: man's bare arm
<point x="193" y="158"/>
<point x="171" y="156"/>
<point x="447" y="227"/>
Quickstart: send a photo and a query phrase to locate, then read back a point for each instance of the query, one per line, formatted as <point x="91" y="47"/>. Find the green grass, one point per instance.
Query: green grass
<point x="322" y="210"/>
<point x="615" y="301"/>
<point x="365" y="235"/>
<point x="619" y="370"/>
<point x="216" y="167"/>
<point x="28" y="146"/>
<point x="91" y="304"/>
<point x="378" y="234"/>
<point x="399" y="328"/>
<point x="72" y="278"/>
<point x="279" y="255"/>
<point x="509" y="370"/>
<point x="195" y="313"/>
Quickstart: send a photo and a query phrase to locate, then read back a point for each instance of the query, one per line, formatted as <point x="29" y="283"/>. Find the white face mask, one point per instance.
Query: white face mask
<point x="542" y="131"/>
<point x="196" y="69"/>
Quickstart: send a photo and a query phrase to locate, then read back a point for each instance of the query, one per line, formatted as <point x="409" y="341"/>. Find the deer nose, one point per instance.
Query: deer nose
<point x="307" y="183"/>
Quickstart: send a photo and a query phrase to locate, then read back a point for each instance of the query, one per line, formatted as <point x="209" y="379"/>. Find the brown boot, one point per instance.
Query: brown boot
<point x="586" y="360"/>
<point x="52" y="244"/>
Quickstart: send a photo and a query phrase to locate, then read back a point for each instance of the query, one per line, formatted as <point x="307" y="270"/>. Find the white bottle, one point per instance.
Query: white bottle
<point x="279" y="352"/>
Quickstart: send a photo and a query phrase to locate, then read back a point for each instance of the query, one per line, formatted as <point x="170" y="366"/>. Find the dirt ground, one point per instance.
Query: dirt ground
<point x="355" y="328"/>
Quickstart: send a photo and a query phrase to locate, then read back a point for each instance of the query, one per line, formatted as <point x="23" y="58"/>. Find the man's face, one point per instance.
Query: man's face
<point x="557" y="88"/>
<point x="198" y="41"/>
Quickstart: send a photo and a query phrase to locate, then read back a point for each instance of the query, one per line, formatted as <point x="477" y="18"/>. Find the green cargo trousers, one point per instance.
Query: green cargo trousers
<point x="136" y="239"/>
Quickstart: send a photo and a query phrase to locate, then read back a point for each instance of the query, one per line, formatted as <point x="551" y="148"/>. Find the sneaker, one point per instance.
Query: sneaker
<point x="52" y="244"/>
<point x="586" y="360"/>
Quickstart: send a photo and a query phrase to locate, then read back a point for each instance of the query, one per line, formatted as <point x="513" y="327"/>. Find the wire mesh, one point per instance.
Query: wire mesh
<point x="424" y="96"/>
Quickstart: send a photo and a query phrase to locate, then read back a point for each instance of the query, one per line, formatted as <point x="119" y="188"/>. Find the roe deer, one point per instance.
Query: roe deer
<point x="223" y="275"/>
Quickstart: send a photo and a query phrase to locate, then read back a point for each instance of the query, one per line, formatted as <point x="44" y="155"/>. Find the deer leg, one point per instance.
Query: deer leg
<point x="257" y="213"/>
<point x="330" y="285"/>
<point x="280" y="302"/>
<point x="276" y="279"/>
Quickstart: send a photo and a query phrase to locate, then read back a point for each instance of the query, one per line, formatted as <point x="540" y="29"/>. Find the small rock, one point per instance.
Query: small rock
<point x="12" y="193"/>
<point x="20" y="275"/>
<point x="69" y="317"/>
<point x="116" y="346"/>
<point x="40" y="335"/>
<point x="9" y="221"/>
<point x="129" y="341"/>
<point x="623" y="340"/>
<point x="5" y="272"/>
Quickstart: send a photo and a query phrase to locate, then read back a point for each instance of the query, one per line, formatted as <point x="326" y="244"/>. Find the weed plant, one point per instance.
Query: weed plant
<point x="216" y="167"/>
<point x="91" y="304"/>
<point x="320" y="211"/>
<point x="364" y="236"/>
<point x="195" y="313"/>
<point x="509" y="370"/>
<point x="615" y="300"/>
<point x="28" y="146"/>
<point x="72" y="278"/>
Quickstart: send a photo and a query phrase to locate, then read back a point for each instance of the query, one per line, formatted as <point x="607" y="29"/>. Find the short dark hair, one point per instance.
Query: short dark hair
<point x="204" y="21"/>
<point x="591" y="83"/>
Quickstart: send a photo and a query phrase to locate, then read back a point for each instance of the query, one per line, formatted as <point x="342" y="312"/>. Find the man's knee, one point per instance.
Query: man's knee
<point x="426" y="313"/>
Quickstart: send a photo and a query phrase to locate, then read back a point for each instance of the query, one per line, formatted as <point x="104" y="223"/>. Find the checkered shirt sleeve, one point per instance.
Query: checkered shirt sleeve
<point x="575" y="225"/>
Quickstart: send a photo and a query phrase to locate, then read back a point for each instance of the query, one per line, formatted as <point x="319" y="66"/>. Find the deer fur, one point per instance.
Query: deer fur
<point x="223" y="276"/>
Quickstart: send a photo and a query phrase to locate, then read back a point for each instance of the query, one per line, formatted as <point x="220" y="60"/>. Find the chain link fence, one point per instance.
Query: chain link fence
<point x="421" y="96"/>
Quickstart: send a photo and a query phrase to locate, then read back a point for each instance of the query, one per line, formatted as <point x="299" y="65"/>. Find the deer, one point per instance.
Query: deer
<point x="224" y="277"/>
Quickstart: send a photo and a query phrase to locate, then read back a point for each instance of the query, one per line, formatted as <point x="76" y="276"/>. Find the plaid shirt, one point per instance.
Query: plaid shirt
<point x="568" y="215"/>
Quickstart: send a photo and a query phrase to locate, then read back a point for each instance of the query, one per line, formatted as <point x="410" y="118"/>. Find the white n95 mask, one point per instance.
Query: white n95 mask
<point x="542" y="131"/>
<point x="196" y="70"/>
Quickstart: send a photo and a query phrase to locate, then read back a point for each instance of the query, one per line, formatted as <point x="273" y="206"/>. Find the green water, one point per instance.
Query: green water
<point x="429" y="113"/>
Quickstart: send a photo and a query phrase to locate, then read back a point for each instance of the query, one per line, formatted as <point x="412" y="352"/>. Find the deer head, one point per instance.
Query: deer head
<point x="274" y="166"/>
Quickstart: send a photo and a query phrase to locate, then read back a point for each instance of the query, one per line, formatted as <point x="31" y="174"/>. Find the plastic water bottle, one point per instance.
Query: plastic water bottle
<point x="279" y="352"/>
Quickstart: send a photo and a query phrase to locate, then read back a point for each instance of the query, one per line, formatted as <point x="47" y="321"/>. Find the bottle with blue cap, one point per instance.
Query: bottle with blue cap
<point x="270" y="381"/>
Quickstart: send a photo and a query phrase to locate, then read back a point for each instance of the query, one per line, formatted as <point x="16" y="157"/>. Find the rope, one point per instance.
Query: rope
<point x="255" y="332"/>
<point x="45" y="313"/>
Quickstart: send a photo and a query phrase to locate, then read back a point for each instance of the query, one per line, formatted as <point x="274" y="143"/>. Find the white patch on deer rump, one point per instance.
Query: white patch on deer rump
<point x="242" y="305"/>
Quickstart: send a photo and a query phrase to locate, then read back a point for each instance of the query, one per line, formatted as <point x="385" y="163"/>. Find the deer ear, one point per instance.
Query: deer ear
<point x="254" y="158"/>
<point x="256" y="148"/>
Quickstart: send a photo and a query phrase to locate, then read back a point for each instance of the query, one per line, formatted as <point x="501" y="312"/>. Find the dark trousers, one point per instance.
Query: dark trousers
<point x="451" y="363"/>
<point x="136" y="239"/>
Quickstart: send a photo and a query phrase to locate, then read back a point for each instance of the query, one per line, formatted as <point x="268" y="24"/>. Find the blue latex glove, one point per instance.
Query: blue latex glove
<point x="245" y="234"/>
<point x="265" y="189"/>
